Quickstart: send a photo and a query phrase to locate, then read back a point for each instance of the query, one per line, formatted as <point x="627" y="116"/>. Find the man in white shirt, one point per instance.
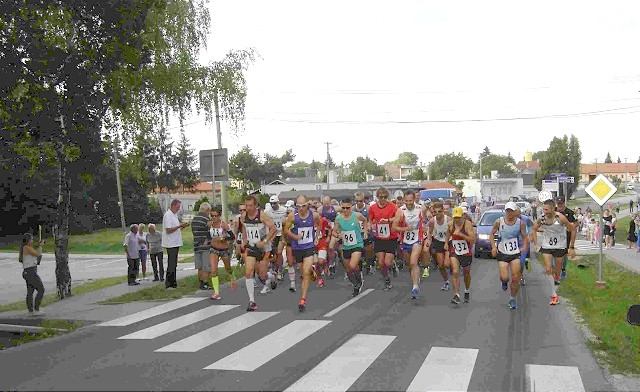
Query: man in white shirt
<point x="172" y="241"/>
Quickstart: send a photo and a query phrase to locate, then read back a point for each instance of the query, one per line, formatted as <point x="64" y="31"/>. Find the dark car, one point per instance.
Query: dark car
<point x="483" y="230"/>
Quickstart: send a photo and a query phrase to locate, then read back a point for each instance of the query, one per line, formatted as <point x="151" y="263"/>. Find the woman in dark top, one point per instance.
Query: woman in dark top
<point x="632" y="237"/>
<point x="606" y="216"/>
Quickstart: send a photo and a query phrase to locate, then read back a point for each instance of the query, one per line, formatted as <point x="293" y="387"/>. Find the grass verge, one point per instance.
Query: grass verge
<point x="186" y="286"/>
<point x="50" y="330"/>
<point x="604" y="311"/>
<point x="105" y="241"/>
<point x="75" y="290"/>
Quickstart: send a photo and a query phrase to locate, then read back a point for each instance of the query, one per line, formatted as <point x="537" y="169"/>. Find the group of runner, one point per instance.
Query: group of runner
<point x="387" y="235"/>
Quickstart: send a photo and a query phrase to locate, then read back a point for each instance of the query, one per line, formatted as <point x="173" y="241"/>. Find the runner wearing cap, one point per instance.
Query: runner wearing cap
<point x="511" y="230"/>
<point x="278" y="214"/>
<point x="427" y="257"/>
<point x="369" y="258"/>
<point x="571" y="217"/>
<point x="408" y="223"/>
<point x="382" y="216"/>
<point x="330" y="212"/>
<point x="462" y="238"/>
<point x="436" y="240"/>
<point x="554" y="227"/>
<point x="303" y="228"/>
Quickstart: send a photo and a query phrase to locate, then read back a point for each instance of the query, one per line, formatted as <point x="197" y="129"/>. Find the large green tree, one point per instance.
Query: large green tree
<point x="502" y="163"/>
<point x="73" y="68"/>
<point x="407" y="158"/>
<point x="562" y="156"/>
<point x="607" y="159"/>
<point x="251" y="169"/>
<point x="450" y="166"/>
<point x="361" y="167"/>
<point x="186" y="175"/>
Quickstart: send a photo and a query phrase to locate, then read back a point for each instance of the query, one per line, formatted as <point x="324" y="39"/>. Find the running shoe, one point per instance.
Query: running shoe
<point x="554" y="300"/>
<point x="505" y="286"/>
<point x="252" y="307"/>
<point x="456" y="299"/>
<point x="302" y="304"/>
<point x="512" y="304"/>
<point x="467" y="297"/>
<point x="414" y="293"/>
<point x="215" y="297"/>
<point x="425" y="272"/>
<point x="387" y="285"/>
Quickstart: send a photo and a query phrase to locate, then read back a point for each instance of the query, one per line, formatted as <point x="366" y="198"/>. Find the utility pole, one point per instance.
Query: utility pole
<point x="115" y="159"/>
<point x="480" y="178"/>
<point x="328" y="156"/>
<point x="223" y="188"/>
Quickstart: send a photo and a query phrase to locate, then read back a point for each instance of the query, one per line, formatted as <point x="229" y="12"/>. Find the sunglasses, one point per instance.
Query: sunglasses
<point x="301" y="205"/>
<point x="215" y="215"/>
<point x="346" y="207"/>
<point x="383" y="197"/>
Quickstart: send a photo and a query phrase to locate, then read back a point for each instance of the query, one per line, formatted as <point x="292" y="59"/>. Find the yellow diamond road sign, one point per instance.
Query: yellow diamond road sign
<point x="601" y="189"/>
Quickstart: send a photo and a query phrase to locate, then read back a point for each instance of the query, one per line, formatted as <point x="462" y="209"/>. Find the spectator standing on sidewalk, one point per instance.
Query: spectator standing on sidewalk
<point x="200" y="229"/>
<point x="637" y="220"/>
<point x="154" y="240"/>
<point x="142" y="241"/>
<point x="631" y="206"/>
<point x="172" y="241"/>
<point x="29" y="258"/>
<point x="132" y="251"/>
<point x="632" y="236"/>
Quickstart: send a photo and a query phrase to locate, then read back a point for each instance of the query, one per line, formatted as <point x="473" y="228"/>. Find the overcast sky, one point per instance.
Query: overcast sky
<point x="382" y="77"/>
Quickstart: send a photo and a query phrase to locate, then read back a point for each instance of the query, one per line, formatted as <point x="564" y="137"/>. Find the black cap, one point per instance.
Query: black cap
<point x="560" y="200"/>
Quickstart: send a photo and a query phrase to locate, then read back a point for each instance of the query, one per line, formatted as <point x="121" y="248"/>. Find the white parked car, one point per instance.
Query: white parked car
<point x="630" y="187"/>
<point x="524" y="206"/>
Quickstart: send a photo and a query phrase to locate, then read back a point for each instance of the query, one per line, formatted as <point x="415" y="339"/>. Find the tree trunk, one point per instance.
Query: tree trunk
<point x="61" y="229"/>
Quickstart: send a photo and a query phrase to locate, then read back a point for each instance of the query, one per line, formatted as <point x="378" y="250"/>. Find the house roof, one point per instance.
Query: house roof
<point x="437" y="185"/>
<point x="534" y="165"/>
<point x="593" y="168"/>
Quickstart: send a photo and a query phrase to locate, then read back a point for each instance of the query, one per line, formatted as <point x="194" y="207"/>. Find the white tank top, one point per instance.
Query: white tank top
<point x="278" y="216"/>
<point x="412" y="219"/>
<point x="440" y="231"/>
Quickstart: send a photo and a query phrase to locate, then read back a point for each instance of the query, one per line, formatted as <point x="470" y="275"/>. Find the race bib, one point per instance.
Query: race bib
<point x="411" y="237"/>
<point x="383" y="230"/>
<point x="349" y="238"/>
<point x="240" y="236"/>
<point x="278" y="225"/>
<point x="306" y="236"/>
<point x="361" y="225"/>
<point x="215" y="232"/>
<point x="509" y="247"/>
<point x="461" y="247"/>
<point x="253" y="235"/>
<point x="554" y="241"/>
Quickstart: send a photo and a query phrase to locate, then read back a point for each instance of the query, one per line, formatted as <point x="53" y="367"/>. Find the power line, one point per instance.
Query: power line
<point x="538" y="117"/>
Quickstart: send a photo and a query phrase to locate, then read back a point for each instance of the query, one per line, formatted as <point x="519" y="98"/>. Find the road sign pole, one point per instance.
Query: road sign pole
<point x="600" y="283"/>
<point x="213" y="178"/>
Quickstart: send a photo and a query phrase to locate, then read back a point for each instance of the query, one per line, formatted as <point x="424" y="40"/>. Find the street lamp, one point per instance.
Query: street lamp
<point x="481" y="199"/>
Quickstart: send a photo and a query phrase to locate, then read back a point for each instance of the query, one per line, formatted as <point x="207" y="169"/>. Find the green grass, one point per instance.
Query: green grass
<point x="604" y="311"/>
<point x="49" y="331"/>
<point x="105" y="241"/>
<point x="622" y="230"/>
<point x="75" y="290"/>
<point x="185" y="260"/>
<point x="186" y="286"/>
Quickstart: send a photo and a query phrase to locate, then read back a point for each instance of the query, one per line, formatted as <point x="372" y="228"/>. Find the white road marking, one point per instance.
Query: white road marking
<point x="343" y="367"/>
<point x="215" y="334"/>
<point x="349" y="302"/>
<point x="445" y="369"/>
<point x="155" y="311"/>
<point x="545" y="378"/>
<point x="262" y="351"/>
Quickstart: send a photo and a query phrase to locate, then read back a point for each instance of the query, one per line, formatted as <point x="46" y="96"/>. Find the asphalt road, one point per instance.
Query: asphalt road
<point x="384" y="341"/>
<point x="82" y="268"/>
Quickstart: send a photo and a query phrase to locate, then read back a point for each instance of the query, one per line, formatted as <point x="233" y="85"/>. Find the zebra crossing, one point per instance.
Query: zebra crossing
<point x="585" y="245"/>
<point x="443" y="368"/>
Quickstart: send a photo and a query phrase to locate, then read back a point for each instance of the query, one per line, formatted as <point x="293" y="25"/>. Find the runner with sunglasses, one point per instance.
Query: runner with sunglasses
<point x="258" y="232"/>
<point x="237" y="230"/>
<point x="461" y="237"/>
<point x="303" y="229"/>
<point x="348" y="227"/>
<point x="382" y="215"/>
<point x="408" y="222"/>
<point x="369" y="258"/>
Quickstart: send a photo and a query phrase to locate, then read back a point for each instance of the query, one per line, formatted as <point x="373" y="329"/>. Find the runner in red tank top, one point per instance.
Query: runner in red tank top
<point x="322" y="248"/>
<point x="382" y="215"/>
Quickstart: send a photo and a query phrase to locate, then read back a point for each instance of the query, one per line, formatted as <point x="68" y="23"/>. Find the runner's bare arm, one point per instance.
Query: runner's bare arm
<point x="396" y="222"/>
<point x="525" y="237"/>
<point x="287" y="228"/>
<point x="570" y="229"/>
<point x="494" y="230"/>
<point x="271" y="227"/>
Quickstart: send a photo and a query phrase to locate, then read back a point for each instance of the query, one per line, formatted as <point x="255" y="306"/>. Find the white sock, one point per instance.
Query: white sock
<point x="415" y="286"/>
<point x="553" y="284"/>
<point x="466" y="290"/>
<point x="250" y="283"/>
<point x="292" y="276"/>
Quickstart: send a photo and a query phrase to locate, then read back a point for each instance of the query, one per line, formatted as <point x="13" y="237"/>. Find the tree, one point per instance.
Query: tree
<point x="360" y="167"/>
<point x="501" y="163"/>
<point x="450" y="166"/>
<point x="619" y="161"/>
<point x="638" y="161"/>
<point x="203" y="199"/>
<point x="245" y="167"/>
<point x="297" y="169"/>
<point x="73" y="68"/>
<point x="417" y="175"/>
<point x="485" y="152"/>
<point x="608" y="159"/>
<point x="562" y="156"/>
<point x="407" y="158"/>
<point x="539" y="155"/>
<point x="184" y="161"/>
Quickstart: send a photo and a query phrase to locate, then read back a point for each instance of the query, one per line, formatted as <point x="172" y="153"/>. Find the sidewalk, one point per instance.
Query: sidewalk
<point x="85" y="307"/>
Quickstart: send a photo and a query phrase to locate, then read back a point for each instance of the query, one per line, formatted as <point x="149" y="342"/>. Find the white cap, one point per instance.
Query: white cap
<point x="289" y="203"/>
<point x="511" y="206"/>
<point x="465" y="210"/>
<point x="274" y="199"/>
<point x="464" y="204"/>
